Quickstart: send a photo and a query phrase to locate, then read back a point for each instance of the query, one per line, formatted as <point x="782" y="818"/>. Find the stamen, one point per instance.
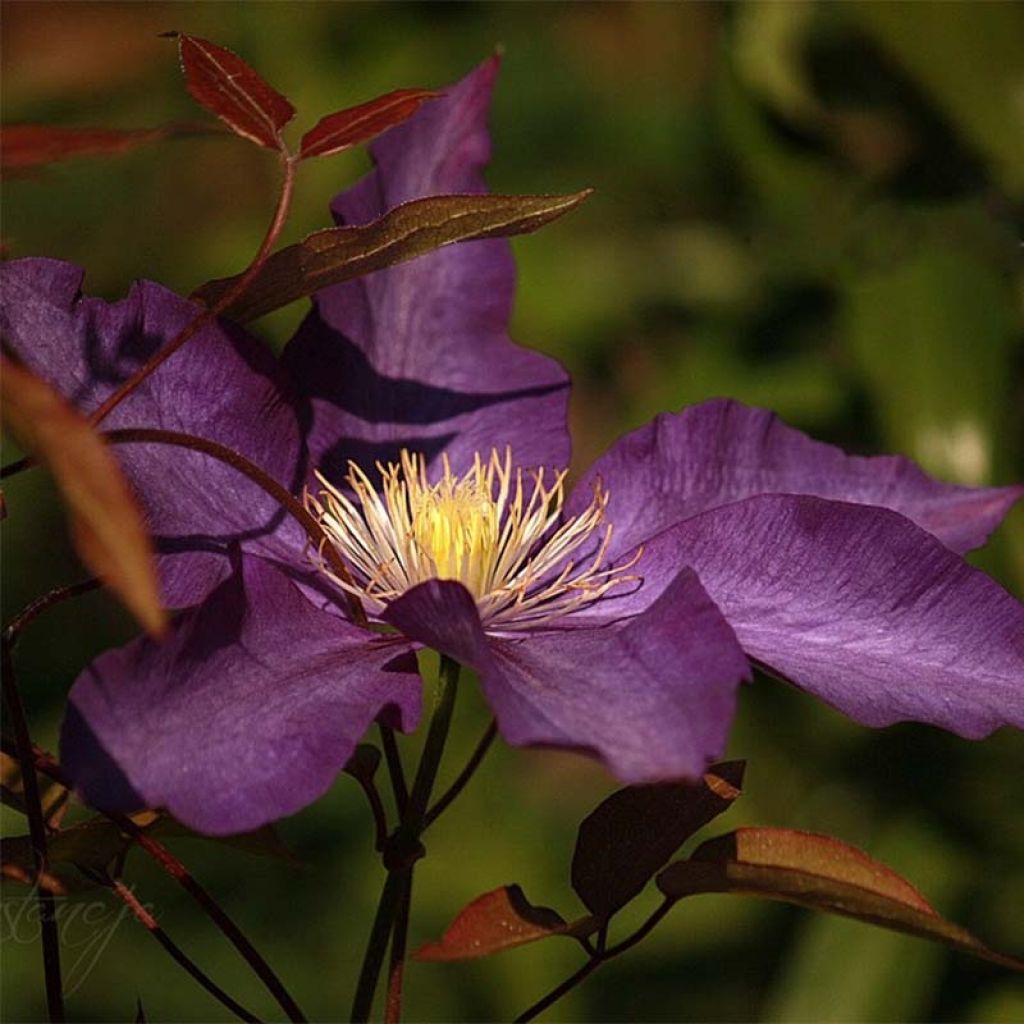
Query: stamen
<point x="481" y="529"/>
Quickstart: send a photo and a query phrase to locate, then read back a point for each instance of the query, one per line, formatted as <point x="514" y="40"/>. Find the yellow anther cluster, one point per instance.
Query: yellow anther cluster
<point x="494" y="529"/>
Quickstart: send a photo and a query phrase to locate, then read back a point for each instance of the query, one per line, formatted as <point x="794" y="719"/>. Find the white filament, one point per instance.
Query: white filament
<point x="481" y="529"/>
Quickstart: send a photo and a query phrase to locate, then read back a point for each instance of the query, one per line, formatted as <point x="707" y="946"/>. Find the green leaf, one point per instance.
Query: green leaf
<point x="412" y="229"/>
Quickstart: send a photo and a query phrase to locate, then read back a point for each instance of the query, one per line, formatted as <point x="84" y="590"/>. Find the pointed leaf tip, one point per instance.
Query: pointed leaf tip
<point x="228" y="87"/>
<point x="497" y="920"/>
<point x="106" y="523"/>
<point x="631" y="834"/>
<point x="821" y="873"/>
<point x="404" y="232"/>
<point x="353" y="125"/>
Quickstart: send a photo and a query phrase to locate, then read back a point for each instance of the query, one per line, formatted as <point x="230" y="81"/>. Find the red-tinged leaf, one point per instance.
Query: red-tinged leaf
<point x="224" y="84"/>
<point x="349" y="127"/>
<point x="27" y="146"/>
<point x="412" y="229"/>
<point x="623" y="843"/>
<point x="821" y="873"/>
<point x="499" y="920"/>
<point x="106" y="524"/>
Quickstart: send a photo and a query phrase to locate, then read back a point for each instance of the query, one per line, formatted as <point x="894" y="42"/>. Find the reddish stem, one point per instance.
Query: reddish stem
<point x="175" y="952"/>
<point x="396" y="967"/>
<point x="211" y="314"/>
<point x="46" y="764"/>
<point x="284" y="497"/>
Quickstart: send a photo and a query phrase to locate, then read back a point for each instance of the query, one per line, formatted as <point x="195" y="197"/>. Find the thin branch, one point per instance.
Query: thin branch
<point x="46" y="764"/>
<point x="176" y="953"/>
<point x="280" y="494"/>
<point x="460" y="783"/>
<point x="598" y="957"/>
<point x="560" y="990"/>
<point x="198" y="323"/>
<point x="642" y="932"/>
<point x="395" y="769"/>
<point x="32" y="611"/>
<point x="380" y="822"/>
<point x="208" y="316"/>
<point x="37" y="834"/>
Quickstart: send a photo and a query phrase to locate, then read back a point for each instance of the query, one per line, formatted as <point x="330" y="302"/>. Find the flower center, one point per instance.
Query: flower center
<point x="494" y="530"/>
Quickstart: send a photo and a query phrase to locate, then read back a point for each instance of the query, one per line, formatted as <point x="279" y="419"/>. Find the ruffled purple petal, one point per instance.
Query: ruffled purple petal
<point x="855" y="604"/>
<point x="222" y="385"/>
<point x="653" y="697"/>
<point x="721" y="451"/>
<point x="418" y="355"/>
<point x="245" y="714"/>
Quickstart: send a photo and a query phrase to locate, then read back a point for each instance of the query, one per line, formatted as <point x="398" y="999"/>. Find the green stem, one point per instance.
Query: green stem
<point x="404" y="848"/>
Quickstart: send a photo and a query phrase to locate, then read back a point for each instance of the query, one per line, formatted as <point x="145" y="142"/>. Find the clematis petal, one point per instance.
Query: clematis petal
<point x="245" y="714"/>
<point x="653" y="697"/>
<point x="855" y="604"/>
<point x="223" y="385"/>
<point x="721" y="451"/>
<point x="418" y="355"/>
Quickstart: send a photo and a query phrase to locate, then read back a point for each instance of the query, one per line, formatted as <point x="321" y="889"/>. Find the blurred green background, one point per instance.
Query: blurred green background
<point x="813" y="207"/>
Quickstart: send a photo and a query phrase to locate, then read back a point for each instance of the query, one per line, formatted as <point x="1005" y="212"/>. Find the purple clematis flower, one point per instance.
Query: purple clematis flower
<point x="619" y="620"/>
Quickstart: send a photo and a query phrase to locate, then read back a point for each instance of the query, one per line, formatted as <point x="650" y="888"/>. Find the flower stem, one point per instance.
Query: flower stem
<point x="396" y="970"/>
<point x="395" y="769"/>
<point x="460" y="783"/>
<point x="403" y="850"/>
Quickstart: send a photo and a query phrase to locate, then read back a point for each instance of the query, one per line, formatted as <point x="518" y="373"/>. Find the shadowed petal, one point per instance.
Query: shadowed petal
<point x="855" y="604"/>
<point x="653" y="697"/>
<point x="418" y="355"/>
<point x="721" y="451"/>
<point x="222" y="385"/>
<point x="244" y="715"/>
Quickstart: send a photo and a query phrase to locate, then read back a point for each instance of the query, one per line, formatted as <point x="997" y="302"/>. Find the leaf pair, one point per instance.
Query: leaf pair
<point x="228" y="87"/>
<point x="631" y="835"/>
<point x="619" y="847"/>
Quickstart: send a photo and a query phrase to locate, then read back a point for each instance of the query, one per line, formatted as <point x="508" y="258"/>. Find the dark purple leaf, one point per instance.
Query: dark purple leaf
<point x="633" y="833"/>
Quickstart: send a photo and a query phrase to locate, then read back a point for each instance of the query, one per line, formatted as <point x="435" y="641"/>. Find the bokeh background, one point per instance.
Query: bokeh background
<point x="813" y="207"/>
